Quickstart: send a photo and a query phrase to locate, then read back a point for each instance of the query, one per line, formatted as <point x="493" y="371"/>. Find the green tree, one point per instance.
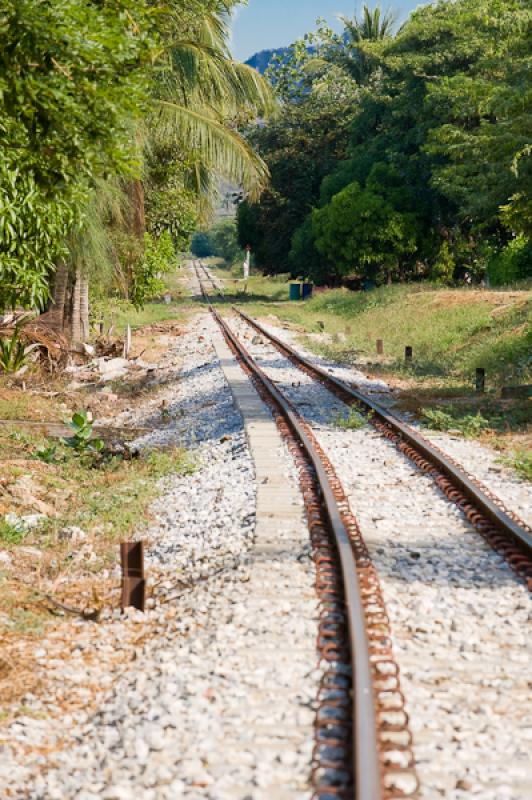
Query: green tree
<point x="362" y="235"/>
<point x="301" y="147"/>
<point x="72" y="83"/>
<point x="443" y="131"/>
<point x="146" y="97"/>
<point x="482" y="141"/>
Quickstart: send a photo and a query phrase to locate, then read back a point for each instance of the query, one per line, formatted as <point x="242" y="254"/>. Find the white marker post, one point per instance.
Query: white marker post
<point x="247" y="262"/>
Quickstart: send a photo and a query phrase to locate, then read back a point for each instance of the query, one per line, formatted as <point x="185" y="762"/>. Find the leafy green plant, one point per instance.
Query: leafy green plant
<point x="513" y="263"/>
<point x="10" y="534"/>
<point x="47" y="453"/>
<point x="14" y="353"/>
<point x="469" y="425"/>
<point x="159" y="256"/>
<point x="521" y="462"/>
<point x="81" y="440"/>
<point x="353" y="421"/>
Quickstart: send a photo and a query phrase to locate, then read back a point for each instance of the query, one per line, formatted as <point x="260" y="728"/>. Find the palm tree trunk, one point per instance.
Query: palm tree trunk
<point x="84" y="307"/>
<point x="138" y="214"/>
<point x="76" y="309"/>
<point x="56" y="313"/>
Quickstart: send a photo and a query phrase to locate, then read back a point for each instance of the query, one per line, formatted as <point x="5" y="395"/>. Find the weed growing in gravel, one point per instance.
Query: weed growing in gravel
<point x="353" y="421"/>
<point x="10" y="534"/>
<point x="521" y="462"/>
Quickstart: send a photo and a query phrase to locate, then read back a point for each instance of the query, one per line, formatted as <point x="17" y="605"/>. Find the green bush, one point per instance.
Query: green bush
<point x="201" y="245"/>
<point x="221" y="240"/>
<point x="513" y="263"/>
<point x="159" y="257"/>
<point x="443" y="268"/>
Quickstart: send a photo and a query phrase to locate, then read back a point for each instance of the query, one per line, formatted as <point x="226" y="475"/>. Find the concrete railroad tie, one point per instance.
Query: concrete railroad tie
<point x="279" y="579"/>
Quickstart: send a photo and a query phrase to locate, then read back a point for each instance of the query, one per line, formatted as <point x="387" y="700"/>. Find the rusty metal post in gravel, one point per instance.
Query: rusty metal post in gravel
<point x="480" y="380"/>
<point x="408" y="354"/>
<point x="133" y="579"/>
<point x="380" y="347"/>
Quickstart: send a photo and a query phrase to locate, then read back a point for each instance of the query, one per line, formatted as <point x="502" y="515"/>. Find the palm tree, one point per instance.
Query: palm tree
<point x="372" y="27"/>
<point x="199" y="93"/>
<point x="347" y="56"/>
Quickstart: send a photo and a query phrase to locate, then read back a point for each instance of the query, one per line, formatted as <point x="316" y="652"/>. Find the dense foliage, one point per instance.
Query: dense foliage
<point x="117" y="121"/>
<point x="220" y="241"/>
<point x="71" y="84"/>
<point x="431" y="173"/>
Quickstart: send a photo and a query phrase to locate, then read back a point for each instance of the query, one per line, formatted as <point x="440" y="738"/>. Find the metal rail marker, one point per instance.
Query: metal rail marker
<point x="133" y="578"/>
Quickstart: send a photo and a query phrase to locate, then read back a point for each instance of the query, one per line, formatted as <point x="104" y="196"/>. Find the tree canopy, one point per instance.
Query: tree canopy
<point x="433" y="177"/>
<point x="118" y="119"/>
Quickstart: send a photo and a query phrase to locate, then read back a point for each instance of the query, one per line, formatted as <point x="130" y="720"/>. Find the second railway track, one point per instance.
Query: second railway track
<point x="503" y="529"/>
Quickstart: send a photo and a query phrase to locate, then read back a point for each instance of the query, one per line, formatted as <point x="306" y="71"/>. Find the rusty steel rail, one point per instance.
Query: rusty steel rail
<point x="363" y="745"/>
<point x="366" y="755"/>
<point x="216" y="285"/>
<point x="484" y="509"/>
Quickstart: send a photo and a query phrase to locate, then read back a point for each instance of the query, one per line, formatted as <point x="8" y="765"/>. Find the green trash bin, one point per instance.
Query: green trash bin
<point x="295" y="291"/>
<point x="307" y="291"/>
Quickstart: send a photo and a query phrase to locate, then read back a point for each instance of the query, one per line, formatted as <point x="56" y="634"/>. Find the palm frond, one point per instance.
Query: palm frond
<point x="222" y="149"/>
<point x="196" y="73"/>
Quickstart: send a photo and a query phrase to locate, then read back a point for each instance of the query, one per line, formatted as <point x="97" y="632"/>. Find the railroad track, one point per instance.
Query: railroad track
<point x="499" y="526"/>
<point x="216" y="285"/>
<point x="504" y="530"/>
<point x="363" y="745"/>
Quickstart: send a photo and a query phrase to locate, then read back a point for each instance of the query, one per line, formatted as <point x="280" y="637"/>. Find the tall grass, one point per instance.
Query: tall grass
<point x="452" y="331"/>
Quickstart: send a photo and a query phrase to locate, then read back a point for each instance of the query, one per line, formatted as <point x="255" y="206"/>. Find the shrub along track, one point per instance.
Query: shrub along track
<point x="363" y="745"/>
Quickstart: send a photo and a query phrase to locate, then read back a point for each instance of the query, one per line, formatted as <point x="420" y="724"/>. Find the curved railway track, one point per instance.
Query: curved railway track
<point x="363" y="745"/>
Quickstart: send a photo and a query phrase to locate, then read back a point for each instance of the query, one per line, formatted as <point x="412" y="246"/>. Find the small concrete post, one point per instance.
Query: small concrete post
<point x="127" y="342"/>
<point x="408" y="354"/>
<point x="480" y="380"/>
<point x="380" y="347"/>
<point x="247" y="262"/>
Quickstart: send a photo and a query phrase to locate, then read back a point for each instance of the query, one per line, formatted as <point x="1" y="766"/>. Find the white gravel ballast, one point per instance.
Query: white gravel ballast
<point x="210" y="693"/>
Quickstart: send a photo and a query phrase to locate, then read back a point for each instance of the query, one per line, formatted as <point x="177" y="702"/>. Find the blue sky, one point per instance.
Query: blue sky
<point x="265" y="24"/>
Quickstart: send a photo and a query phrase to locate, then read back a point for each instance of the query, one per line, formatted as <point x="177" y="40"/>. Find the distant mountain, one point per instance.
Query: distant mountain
<point x="261" y="61"/>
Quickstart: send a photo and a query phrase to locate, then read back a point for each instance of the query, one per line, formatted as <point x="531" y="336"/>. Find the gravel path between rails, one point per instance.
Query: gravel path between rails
<point x="458" y="614"/>
<point x="196" y="698"/>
